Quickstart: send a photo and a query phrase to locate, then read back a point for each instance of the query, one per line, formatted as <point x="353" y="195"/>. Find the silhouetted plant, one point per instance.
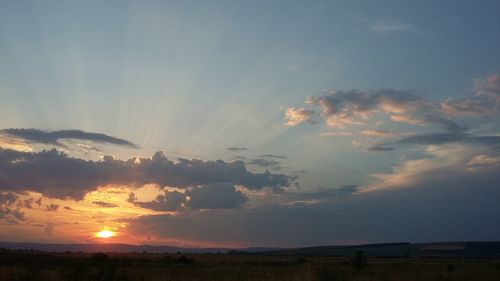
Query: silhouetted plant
<point x="301" y="260"/>
<point x="359" y="261"/>
<point x="185" y="260"/>
<point x="100" y="257"/>
<point x="450" y="267"/>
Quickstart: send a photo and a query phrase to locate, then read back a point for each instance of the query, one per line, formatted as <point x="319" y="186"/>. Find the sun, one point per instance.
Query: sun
<point x="105" y="234"/>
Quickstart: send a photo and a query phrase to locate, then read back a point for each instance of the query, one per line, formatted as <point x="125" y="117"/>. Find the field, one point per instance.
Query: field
<point x="29" y="265"/>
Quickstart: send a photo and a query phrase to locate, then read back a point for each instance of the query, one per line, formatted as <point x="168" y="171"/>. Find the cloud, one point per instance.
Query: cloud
<point x="49" y="228"/>
<point x="261" y="162"/>
<point x="8" y="211"/>
<point x="104" y="204"/>
<point x="484" y="160"/>
<point x="379" y="133"/>
<point x="392" y="26"/>
<point x="57" y="175"/>
<point x="295" y="116"/>
<point x="420" y="200"/>
<point x="170" y="201"/>
<point x="444" y="138"/>
<point x="52" y="207"/>
<point x="380" y="147"/>
<point x="54" y="137"/>
<point x="8" y="142"/>
<point x="273" y="156"/>
<point x="484" y="101"/>
<point x="434" y="213"/>
<point x="132" y="198"/>
<point x="320" y="194"/>
<point x="490" y="142"/>
<point x="336" y="134"/>
<point x="237" y="148"/>
<point x="215" y="196"/>
<point x="8" y="198"/>
<point x="27" y="203"/>
<point x="342" y="108"/>
<point x="210" y="196"/>
<point x="445" y="165"/>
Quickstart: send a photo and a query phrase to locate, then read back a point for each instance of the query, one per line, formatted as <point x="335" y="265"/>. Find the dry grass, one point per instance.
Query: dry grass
<point x="147" y="267"/>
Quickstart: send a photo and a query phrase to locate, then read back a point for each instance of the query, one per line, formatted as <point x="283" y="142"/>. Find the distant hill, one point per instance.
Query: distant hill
<point x="438" y="249"/>
<point x="119" y="248"/>
<point x="385" y="250"/>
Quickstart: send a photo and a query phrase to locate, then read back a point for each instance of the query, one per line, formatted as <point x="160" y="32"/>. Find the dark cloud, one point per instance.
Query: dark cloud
<point x="436" y="138"/>
<point x="54" y="137"/>
<point x="440" y="139"/>
<point x="321" y="193"/>
<point x="131" y="198"/>
<point x="264" y="162"/>
<point x="104" y="204"/>
<point x="211" y="196"/>
<point x="215" y="196"/>
<point x="434" y="207"/>
<point x="273" y="156"/>
<point x="11" y="215"/>
<point x="28" y="203"/>
<point x="237" y="148"/>
<point x="8" y="211"/>
<point x="170" y="201"/>
<point x="52" y="207"/>
<point x="8" y="198"/>
<point x="348" y="189"/>
<point x="380" y="147"/>
<point x="57" y="175"/>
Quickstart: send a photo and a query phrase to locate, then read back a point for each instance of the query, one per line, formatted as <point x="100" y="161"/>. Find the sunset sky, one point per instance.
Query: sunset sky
<point x="249" y="123"/>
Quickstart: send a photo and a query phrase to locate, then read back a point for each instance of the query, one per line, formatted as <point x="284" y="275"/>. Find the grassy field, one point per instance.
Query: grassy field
<point x="151" y="267"/>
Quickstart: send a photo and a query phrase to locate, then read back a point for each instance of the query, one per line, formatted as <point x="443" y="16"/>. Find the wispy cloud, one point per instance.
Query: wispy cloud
<point x="445" y="166"/>
<point x="237" y="148"/>
<point x="104" y="204"/>
<point x="55" y="137"/>
<point x="393" y="26"/>
<point x="379" y="133"/>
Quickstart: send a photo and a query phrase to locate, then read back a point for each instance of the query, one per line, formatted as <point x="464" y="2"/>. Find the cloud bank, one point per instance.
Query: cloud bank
<point x="55" y="174"/>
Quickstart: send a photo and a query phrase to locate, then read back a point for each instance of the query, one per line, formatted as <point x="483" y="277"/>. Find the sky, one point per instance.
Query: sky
<point x="249" y="123"/>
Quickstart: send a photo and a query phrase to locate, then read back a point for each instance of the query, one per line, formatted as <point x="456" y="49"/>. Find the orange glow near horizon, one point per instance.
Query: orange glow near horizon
<point x="105" y="234"/>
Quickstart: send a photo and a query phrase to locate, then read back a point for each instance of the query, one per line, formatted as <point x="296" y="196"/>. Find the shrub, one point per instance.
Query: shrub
<point x="359" y="262"/>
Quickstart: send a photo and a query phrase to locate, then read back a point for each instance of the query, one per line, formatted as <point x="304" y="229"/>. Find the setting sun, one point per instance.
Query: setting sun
<point x="105" y="234"/>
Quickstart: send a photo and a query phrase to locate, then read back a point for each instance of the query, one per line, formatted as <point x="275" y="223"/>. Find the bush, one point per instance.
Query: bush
<point x="450" y="267"/>
<point x="100" y="257"/>
<point x="185" y="260"/>
<point x="359" y="262"/>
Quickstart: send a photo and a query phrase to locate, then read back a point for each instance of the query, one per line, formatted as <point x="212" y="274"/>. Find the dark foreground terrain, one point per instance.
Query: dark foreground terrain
<point x="32" y="265"/>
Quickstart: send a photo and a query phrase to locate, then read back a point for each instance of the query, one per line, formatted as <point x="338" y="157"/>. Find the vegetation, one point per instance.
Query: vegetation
<point x="31" y="265"/>
<point x="359" y="261"/>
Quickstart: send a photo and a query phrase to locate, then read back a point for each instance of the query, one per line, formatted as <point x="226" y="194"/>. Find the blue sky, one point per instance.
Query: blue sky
<point x="194" y="78"/>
